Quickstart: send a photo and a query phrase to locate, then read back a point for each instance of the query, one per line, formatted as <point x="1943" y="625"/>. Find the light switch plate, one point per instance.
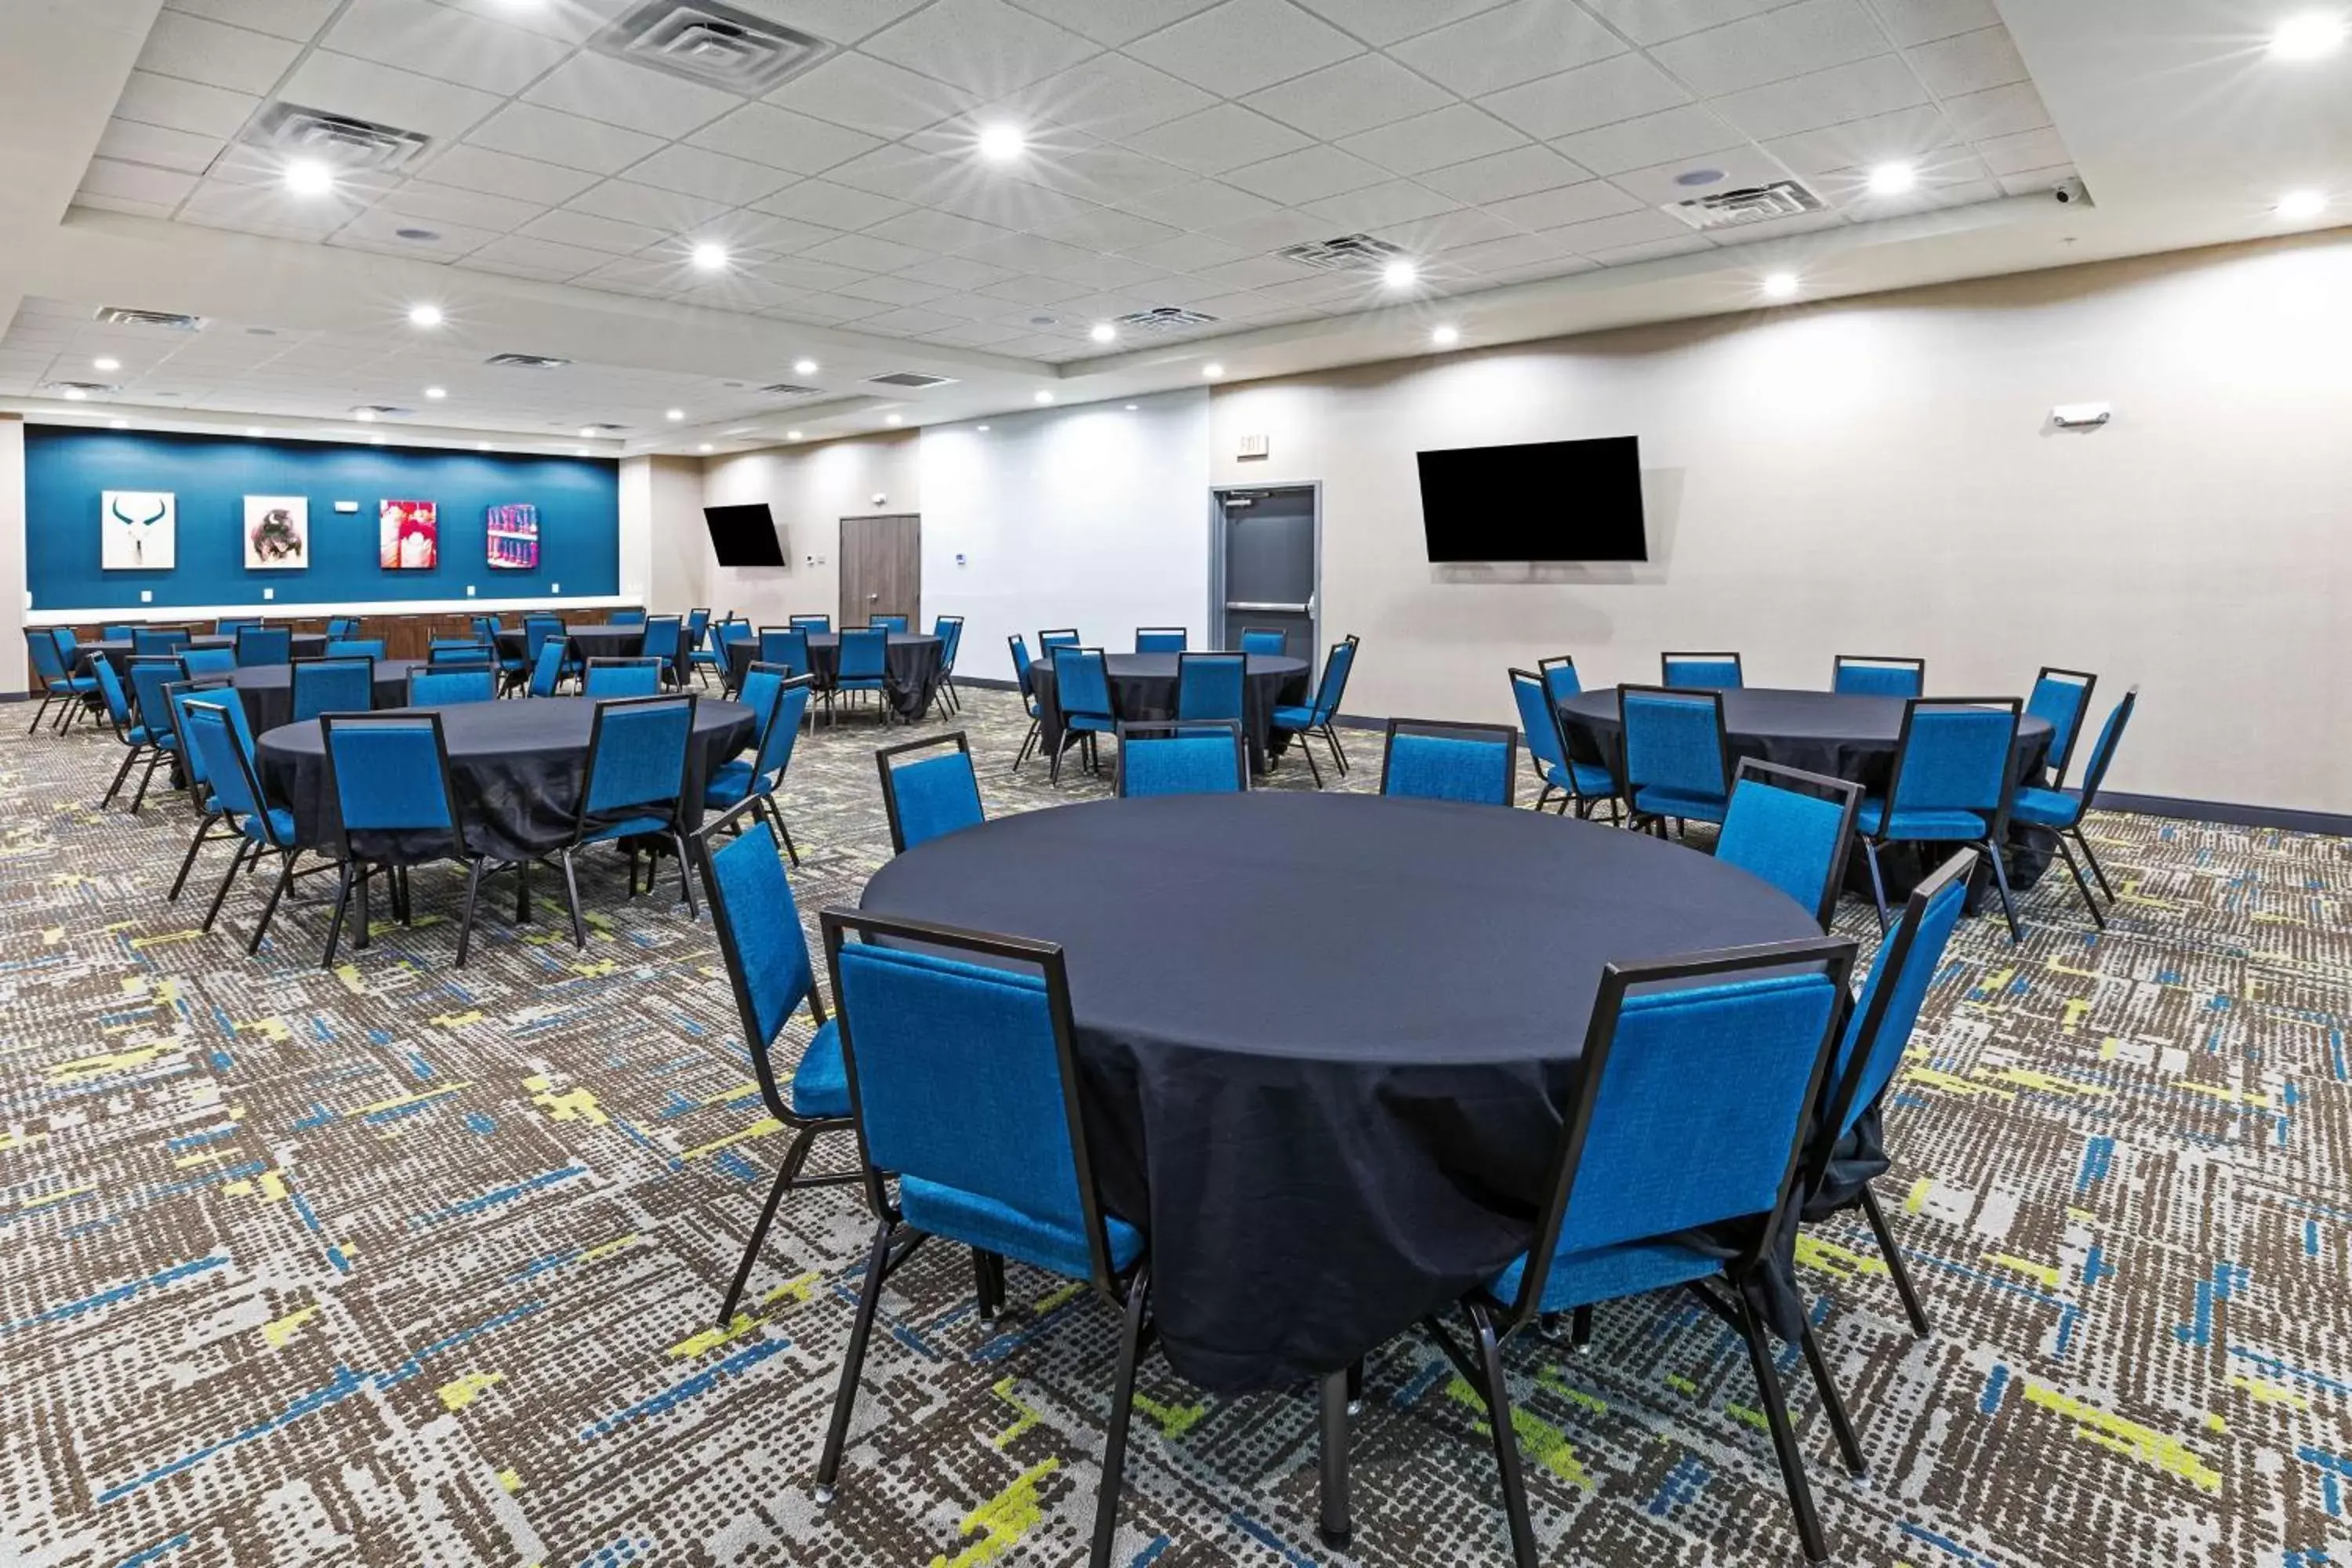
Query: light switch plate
<point x="469" y="590"/>
<point x="269" y="593"/>
<point x="347" y="506"/>
<point x="146" y="596"/>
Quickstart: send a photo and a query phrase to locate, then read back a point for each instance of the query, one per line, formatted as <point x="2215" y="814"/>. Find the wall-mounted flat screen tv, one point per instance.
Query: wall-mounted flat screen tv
<point x="743" y="536"/>
<point x="1543" y="500"/>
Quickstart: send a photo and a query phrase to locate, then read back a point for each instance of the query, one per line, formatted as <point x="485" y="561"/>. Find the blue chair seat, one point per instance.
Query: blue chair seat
<point x="1605" y="1273"/>
<point x="1089" y="722"/>
<point x="858" y="683"/>
<point x="83" y="684"/>
<point x="281" y="828"/>
<point x="729" y="784"/>
<point x="1933" y="827"/>
<point x="141" y="736"/>
<point x="1294" y="718"/>
<point x="1588" y="779"/>
<point x="2046" y="807"/>
<point x="1660" y="802"/>
<point x="998" y="1228"/>
<point x="634" y="826"/>
<point x="821" y="1083"/>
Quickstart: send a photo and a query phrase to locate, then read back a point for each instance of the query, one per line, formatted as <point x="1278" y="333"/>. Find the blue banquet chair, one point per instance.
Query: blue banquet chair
<point x="1677" y="760"/>
<point x="821" y="624"/>
<point x="887" y="623"/>
<point x="862" y="664"/>
<point x="699" y="656"/>
<point x="1876" y="675"/>
<point x="461" y="651"/>
<point x="1699" y="671"/>
<point x="1021" y="668"/>
<point x="1793" y="829"/>
<point x="257" y="645"/>
<point x="389" y="776"/>
<point x="757" y="780"/>
<point x="208" y="660"/>
<point x="1160" y="639"/>
<point x="229" y="625"/>
<point x="1065" y="638"/>
<point x="635" y="786"/>
<point x="634" y="615"/>
<point x="929" y="789"/>
<point x="2061" y="811"/>
<point x="547" y="668"/>
<point x="1560" y="677"/>
<point x="159" y="640"/>
<point x="1425" y="758"/>
<point x="1317" y="717"/>
<point x="665" y="642"/>
<point x="211" y="822"/>
<point x="1271" y="640"/>
<point x="343" y="626"/>
<point x="430" y="688"/>
<point x="331" y="686"/>
<point x="629" y="675"/>
<point x="122" y="720"/>
<point x="149" y="676"/>
<point x="786" y="646"/>
<point x="228" y="774"/>
<point x="1210" y="684"/>
<point x="949" y="629"/>
<point x="356" y="647"/>
<point x="1082" y="692"/>
<point x="2062" y="697"/>
<point x="1581" y="787"/>
<point x="48" y="659"/>
<point x="1951" y="785"/>
<point x="1183" y="756"/>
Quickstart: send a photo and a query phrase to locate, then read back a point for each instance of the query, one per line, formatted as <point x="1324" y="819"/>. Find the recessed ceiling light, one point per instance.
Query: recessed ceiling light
<point x="709" y="256"/>
<point x="704" y="447"/>
<point x="427" y="316"/>
<point x="580" y="451"/>
<point x="106" y="364"/>
<point x="1893" y="179"/>
<point x="482" y="446"/>
<point x="255" y="430"/>
<point x="436" y="392"/>
<point x="1104" y="332"/>
<point x="75" y="395"/>
<point x="804" y="367"/>
<point x="1045" y="398"/>
<point x="1446" y="337"/>
<point x="117" y="423"/>
<point x="894" y="419"/>
<point x="2296" y="205"/>
<point x="309" y="177"/>
<point x="792" y="434"/>
<point x="587" y="431"/>
<point x="1400" y="273"/>
<point x="1212" y="369"/>
<point x="1780" y="285"/>
<point x="674" y="414"/>
<point x="2308" y="36"/>
<point x="981" y="429"/>
<point x="375" y="440"/>
<point x="363" y="415"/>
<point x="1001" y="144"/>
<point x="1130" y="408"/>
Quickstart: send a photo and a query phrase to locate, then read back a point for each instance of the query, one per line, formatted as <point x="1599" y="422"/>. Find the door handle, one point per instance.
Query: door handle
<point x="872" y="598"/>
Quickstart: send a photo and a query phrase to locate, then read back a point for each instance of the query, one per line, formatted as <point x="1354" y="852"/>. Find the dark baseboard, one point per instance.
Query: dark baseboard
<point x="2228" y="812"/>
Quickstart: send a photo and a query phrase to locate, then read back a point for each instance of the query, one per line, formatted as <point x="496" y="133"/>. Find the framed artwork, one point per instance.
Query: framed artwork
<point x="514" y="537"/>
<point x="137" y="530"/>
<point x="408" y="535"/>
<point x="276" y="532"/>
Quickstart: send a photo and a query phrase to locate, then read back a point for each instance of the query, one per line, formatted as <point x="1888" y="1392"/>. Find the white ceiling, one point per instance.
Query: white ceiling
<point x="1521" y="151"/>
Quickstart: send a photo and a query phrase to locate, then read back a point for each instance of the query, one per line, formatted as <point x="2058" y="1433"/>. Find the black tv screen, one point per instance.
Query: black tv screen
<point x="743" y="536"/>
<point x="1544" y="501"/>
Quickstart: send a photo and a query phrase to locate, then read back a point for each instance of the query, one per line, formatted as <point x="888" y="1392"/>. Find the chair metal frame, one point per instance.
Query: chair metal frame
<point x="949" y="700"/>
<point x="354" y="872"/>
<point x="1176" y="729"/>
<point x="1021" y="665"/>
<point x="676" y="835"/>
<point x="1325" y="726"/>
<point x="287" y="853"/>
<point x="1842" y="792"/>
<point x="895" y="1241"/>
<point x="2061" y="758"/>
<point x="1666" y="667"/>
<point x="1644" y="821"/>
<point x="1088" y="751"/>
<point x="210" y="815"/>
<point x="157" y="753"/>
<point x="1840" y="663"/>
<point x="1492" y="1321"/>
<point x="58" y="689"/>
<point x="840" y="656"/>
<point x="1572" y="797"/>
<point x="1999" y="817"/>
<point x="883" y="765"/>
<point x="2094" y="775"/>
<point x="1452" y="730"/>
<point x="760" y="737"/>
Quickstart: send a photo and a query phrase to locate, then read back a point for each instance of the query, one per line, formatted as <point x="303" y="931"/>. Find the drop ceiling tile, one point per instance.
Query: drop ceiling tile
<point x="594" y="233"/>
<point x="1443" y="231"/>
<point x="1621" y="89"/>
<point x="1113" y="22"/>
<point x="1912" y="22"/>
<point x="964" y="307"/>
<point x="1383" y="22"/>
<point x="865" y="251"/>
<point x="1569" y="204"/>
<point x="136" y="182"/>
<point x="1032" y="289"/>
<point x="1502" y="175"/>
<point x="1651" y="249"/>
<point x="1105" y="230"/>
<point x="828" y="310"/>
<point x="528" y="131"/>
<point x="900" y="172"/>
<point x="1905" y="136"/>
<point x="1042" y="346"/>
<point x="958" y="272"/>
<point x="1321" y="288"/>
<point x="444" y="204"/>
<point x="1997" y="111"/>
<point x="1106" y="175"/>
<point x="797" y="273"/>
<point x="1307" y="176"/>
<point x="1382" y="206"/>
<point x="1649" y="22"/>
<point x="1355" y="95"/>
<point x="2033" y="182"/>
<point x="1215" y="140"/>
<point x="1032" y="254"/>
<point x="100" y="202"/>
<point x="380" y="230"/>
<point x="1511" y="254"/>
<point x="936" y="231"/>
<point x="1203" y="203"/>
<point x="1248" y="272"/>
<point x="193" y="49"/>
<point x="1738" y="167"/>
<point x="435" y="41"/>
<point x="176" y="105"/>
<point x="907" y="323"/>
<point x="870" y="95"/>
<point x="1792" y="41"/>
<point x="1970" y="62"/>
<point x="1011" y="204"/>
<point x="1274" y="230"/>
<point x="1245" y="45"/>
<point x="1242" y="305"/>
<point x="745" y="231"/>
<point x="1830" y="97"/>
<point x="783" y="140"/>
<point x="2026" y="149"/>
<point x="698" y="172"/>
<point x="1512" y="44"/>
<point x="366" y="90"/>
<point x="974" y="335"/>
<point x="1113" y="97"/>
<point x="1683" y="132"/>
<point x="626" y="95"/>
<point x="889" y="290"/>
<point x="1626" y="229"/>
<point x="296" y="19"/>
<point x="132" y="143"/>
<point x="835" y="207"/>
<point x="473" y="168"/>
<point x="669" y="211"/>
<point x="264" y="209"/>
<point x="1187" y="253"/>
<point x="982" y="46"/>
<point x="1455" y="135"/>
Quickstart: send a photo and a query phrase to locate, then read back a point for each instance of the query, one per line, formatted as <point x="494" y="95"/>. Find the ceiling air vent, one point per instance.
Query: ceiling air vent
<point x="1349" y="250"/>
<point x="602" y="428"/>
<point x="338" y="138"/>
<point x="121" y="316"/>
<point x="86" y="388"/>
<point x="1752" y="203"/>
<point x="380" y="411"/>
<point x="707" y="42"/>
<point x="1165" y="319"/>
<point x="911" y="378"/>
<point x="527" y="361"/>
<point x="788" y="389"/>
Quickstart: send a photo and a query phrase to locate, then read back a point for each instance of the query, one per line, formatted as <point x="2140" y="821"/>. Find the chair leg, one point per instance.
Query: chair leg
<point x="685" y="883"/>
<point x="1848" y="1446"/>
<point x="40" y="714"/>
<point x="2075" y="870"/>
<point x="220" y="894"/>
<point x="1892" y="1254"/>
<point x="870" y="1301"/>
<point x="1878" y="883"/>
<point x="1337" y="1531"/>
<point x="1506" y="1438"/>
<point x="154" y="760"/>
<point x="1122" y="1403"/>
<point x="2085" y="844"/>
<point x="571" y="898"/>
<point x="2000" y="881"/>
<point x="1028" y="744"/>
<point x="1306" y="749"/>
<point x="1338" y="753"/>
<point x="1580" y="1330"/>
<point x="1784" y="1438"/>
<point x="285" y="881"/>
<point x="130" y="755"/>
<point x="466" y="923"/>
<point x="786" y="1173"/>
<point x="188" y="861"/>
<point x="335" y="920"/>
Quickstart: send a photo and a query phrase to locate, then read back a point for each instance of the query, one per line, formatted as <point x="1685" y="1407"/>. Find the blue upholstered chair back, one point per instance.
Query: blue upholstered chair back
<point x="2061" y="697"/>
<point x="735" y="629"/>
<point x="1861" y="677"/>
<point x="929" y="789"/>
<point x="1020" y="662"/>
<point x="41" y="646"/>
<point x="229" y="625"/>
<point x="264" y="645"/>
<point x="2102" y="754"/>
<point x="1559" y="678"/>
<point x="665" y="641"/>
<point x="1470" y="762"/>
<point x="809" y="623"/>
<point x="109" y="691"/>
<point x="865" y="654"/>
<point x="760" y="934"/>
<point x="787" y="648"/>
<point x="887" y="623"/>
<point x="1048" y="641"/>
<point x="1265" y="639"/>
<point x="178" y="694"/>
<point x="637" y="752"/>
<point x="67" y="644"/>
<point x="1700" y="672"/>
<point x="118" y="633"/>
<point x="390" y="772"/>
<point x="486" y="631"/>
<point x="629" y="617"/>
<point x="215" y="739"/>
<point x="538" y="631"/>
<point x="1081" y="684"/>
<point x="1183" y="758"/>
<point x="1334" y="686"/>
<point x="356" y="647"/>
<point x="786" y="708"/>
<point x="635" y="677"/>
<point x="1537" y="721"/>
<point x="1955" y="756"/>
<point x="1160" y="639"/>
<point x="208" y="660"/>
<point x="158" y="639"/>
<point x="346" y="625"/>
<point x="761" y="681"/>
<point x="949" y="629"/>
<point x="149" y="676"/>
<point x="332" y="686"/>
<point x="547" y="668"/>
<point x="1209" y="685"/>
<point x="431" y="687"/>
<point x="1795" y="839"/>
<point x="1674" y="741"/>
<point x="461" y="652"/>
<point x="1878" y="1028"/>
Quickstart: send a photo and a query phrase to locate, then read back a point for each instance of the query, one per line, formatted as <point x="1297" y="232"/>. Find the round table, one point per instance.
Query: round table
<point x="517" y="768"/>
<point x="268" y="690"/>
<point x="1143" y="686"/>
<point x="1326" y="1038"/>
<point x="910" y="665"/>
<point x="116" y="652"/>
<point x="1835" y="734"/>
<point x="592" y="640"/>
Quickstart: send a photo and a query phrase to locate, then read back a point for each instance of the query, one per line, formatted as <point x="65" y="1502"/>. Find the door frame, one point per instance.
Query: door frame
<point x="1217" y="494"/>
<point x="841" y="565"/>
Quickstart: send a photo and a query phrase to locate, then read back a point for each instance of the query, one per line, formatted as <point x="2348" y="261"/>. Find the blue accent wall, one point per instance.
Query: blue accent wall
<point x="66" y="469"/>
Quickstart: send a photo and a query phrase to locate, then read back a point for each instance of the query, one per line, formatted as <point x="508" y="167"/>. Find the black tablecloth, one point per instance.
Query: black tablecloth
<point x="1327" y="1038"/>
<point x="910" y="665"/>
<point x="306" y="645"/>
<point x="268" y="690"/>
<point x="516" y="767"/>
<point x="1844" y="736"/>
<point x="591" y="640"/>
<point x="1143" y="686"/>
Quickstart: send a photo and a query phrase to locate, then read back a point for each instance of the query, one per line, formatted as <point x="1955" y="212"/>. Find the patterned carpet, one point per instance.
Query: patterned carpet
<point x="403" y="1264"/>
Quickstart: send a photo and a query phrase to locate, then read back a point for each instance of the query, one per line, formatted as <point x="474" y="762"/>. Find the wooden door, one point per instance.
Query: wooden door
<point x="882" y="569"/>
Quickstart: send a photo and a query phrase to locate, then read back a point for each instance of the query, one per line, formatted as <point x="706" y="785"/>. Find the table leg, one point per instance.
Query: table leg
<point x="1334" y="1527"/>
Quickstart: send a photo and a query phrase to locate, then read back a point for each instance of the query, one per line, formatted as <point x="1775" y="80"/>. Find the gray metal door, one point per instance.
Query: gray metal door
<point x="1267" y="564"/>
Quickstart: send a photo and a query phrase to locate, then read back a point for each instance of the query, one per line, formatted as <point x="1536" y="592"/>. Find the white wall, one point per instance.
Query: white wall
<point x="1877" y="477"/>
<point x="1095" y="517"/>
<point x="13" y="675"/>
<point x="810" y="490"/>
<point x="661" y="527"/>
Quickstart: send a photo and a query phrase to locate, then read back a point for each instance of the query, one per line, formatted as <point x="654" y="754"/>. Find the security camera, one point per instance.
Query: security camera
<point x="2069" y="191"/>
